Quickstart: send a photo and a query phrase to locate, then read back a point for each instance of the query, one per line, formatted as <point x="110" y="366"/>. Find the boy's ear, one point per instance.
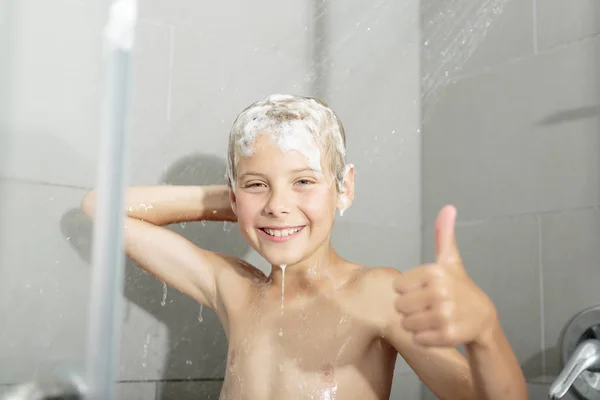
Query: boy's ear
<point x="232" y="200"/>
<point x="346" y="197"/>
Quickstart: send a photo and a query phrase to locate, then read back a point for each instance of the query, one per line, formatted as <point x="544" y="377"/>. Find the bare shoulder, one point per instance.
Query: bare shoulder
<point x="374" y="295"/>
<point x="235" y="278"/>
<point x="236" y="269"/>
<point x="373" y="278"/>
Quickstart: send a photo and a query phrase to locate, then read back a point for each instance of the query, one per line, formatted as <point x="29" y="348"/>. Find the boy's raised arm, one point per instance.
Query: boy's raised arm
<point x="440" y="307"/>
<point x="165" y="254"/>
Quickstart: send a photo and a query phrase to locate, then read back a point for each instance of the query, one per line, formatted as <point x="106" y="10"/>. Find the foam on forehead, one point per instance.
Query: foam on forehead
<point x="295" y="124"/>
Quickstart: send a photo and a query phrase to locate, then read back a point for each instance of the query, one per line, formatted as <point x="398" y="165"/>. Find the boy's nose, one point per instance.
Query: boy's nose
<point x="277" y="205"/>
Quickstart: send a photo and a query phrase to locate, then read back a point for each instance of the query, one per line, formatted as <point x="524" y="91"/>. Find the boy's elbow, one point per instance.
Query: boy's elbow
<point x="88" y="203"/>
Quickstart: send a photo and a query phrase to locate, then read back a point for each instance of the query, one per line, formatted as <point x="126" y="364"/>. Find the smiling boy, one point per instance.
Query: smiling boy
<point x="319" y="326"/>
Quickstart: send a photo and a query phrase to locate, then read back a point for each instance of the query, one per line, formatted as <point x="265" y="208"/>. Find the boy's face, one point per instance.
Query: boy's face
<point x="285" y="209"/>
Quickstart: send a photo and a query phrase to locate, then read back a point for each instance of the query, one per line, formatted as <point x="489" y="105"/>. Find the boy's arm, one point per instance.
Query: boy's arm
<point x="444" y="370"/>
<point x="165" y="254"/>
<point x="495" y="369"/>
<point x="491" y="371"/>
<point x="440" y="307"/>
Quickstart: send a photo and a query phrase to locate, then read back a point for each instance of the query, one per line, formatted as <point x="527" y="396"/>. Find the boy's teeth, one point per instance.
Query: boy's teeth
<point x="281" y="232"/>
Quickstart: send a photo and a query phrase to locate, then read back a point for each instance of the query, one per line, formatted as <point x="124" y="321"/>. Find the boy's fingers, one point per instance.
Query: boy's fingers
<point x="422" y="321"/>
<point x="413" y="279"/>
<point x="436" y="337"/>
<point x="414" y="301"/>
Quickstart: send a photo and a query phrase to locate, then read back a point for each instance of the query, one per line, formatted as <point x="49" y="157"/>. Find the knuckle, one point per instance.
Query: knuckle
<point x="449" y="333"/>
<point x="447" y="309"/>
<point x="436" y="272"/>
<point x="439" y="291"/>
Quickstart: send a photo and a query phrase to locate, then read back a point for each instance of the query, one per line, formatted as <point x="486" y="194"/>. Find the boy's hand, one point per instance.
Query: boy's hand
<point x="441" y="305"/>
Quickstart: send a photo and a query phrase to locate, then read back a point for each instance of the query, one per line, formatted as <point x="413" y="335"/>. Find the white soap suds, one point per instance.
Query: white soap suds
<point x="294" y="123"/>
<point x="343" y="197"/>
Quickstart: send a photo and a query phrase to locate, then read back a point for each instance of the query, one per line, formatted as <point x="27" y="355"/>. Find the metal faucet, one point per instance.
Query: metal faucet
<point x="586" y="356"/>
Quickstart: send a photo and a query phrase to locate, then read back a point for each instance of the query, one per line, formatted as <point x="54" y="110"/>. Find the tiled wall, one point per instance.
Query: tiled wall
<point x="514" y="143"/>
<point x="196" y="66"/>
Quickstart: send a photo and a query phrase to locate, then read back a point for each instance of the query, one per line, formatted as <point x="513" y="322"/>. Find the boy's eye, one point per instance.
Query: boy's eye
<point x="304" y="182"/>
<point x="254" y="185"/>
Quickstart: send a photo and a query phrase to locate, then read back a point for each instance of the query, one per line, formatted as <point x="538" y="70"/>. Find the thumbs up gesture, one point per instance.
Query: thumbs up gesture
<point x="440" y="304"/>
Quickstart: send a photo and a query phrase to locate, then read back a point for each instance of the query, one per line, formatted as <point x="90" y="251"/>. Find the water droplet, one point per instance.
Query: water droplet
<point x="182" y="224"/>
<point x="200" y="318"/>
<point x="189" y="362"/>
<point x="203" y="222"/>
<point x="164" y="295"/>
<point x="393" y="131"/>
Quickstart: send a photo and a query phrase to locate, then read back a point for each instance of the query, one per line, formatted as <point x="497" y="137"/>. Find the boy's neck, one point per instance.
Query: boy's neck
<point x="312" y="273"/>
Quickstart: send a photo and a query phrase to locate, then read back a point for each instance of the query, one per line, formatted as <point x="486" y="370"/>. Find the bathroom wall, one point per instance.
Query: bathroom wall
<point x="197" y="64"/>
<point x="513" y="142"/>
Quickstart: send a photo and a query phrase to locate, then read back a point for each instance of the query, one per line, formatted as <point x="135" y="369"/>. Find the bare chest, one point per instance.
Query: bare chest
<point x="314" y="350"/>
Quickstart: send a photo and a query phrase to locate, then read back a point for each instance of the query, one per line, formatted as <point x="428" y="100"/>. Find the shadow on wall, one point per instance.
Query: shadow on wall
<point x="197" y="346"/>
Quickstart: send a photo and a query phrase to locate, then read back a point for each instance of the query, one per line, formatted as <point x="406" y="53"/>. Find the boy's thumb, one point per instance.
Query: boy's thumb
<point x="445" y="238"/>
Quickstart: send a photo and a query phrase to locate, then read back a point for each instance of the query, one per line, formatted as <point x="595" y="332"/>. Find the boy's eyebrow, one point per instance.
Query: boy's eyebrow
<point x="295" y="171"/>
<point x="304" y="169"/>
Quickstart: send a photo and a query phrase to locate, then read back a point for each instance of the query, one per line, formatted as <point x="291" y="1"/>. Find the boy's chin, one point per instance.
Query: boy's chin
<point x="281" y="259"/>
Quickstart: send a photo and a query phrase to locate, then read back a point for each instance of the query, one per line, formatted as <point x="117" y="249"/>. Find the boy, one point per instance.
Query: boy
<point x="319" y="326"/>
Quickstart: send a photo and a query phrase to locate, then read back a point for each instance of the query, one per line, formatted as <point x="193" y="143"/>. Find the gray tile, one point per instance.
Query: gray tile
<point x="135" y="391"/>
<point x="517" y="140"/>
<point x="502" y="258"/>
<point x="150" y="103"/>
<point x="378" y="102"/>
<point x="571" y="274"/>
<point x="4" y="389"/>
<point x="208" y="390"/>
<point x="44" y="284"/>
<point x="53" y="104"/>
<point x="464" y="37"/>
<point x="560" y="22"/>
<point x="398" y="248"/>
<point x="407" y="386"/>
<point x="427" y="394"/>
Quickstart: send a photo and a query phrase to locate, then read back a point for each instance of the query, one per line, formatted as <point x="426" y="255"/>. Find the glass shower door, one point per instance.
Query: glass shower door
<point x="55" y="98"/>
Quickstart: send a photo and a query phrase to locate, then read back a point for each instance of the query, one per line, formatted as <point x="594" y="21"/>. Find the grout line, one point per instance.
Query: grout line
<point x="42" y="183"/>
<point x="542" y="306"/>
<point x="170" y="73"/>
<point x="535" y="29"/>
<point x="476" y="221"/>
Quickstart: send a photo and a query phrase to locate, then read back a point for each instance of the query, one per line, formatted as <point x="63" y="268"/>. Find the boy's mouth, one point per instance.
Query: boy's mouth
<point x="280" y="234"/>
